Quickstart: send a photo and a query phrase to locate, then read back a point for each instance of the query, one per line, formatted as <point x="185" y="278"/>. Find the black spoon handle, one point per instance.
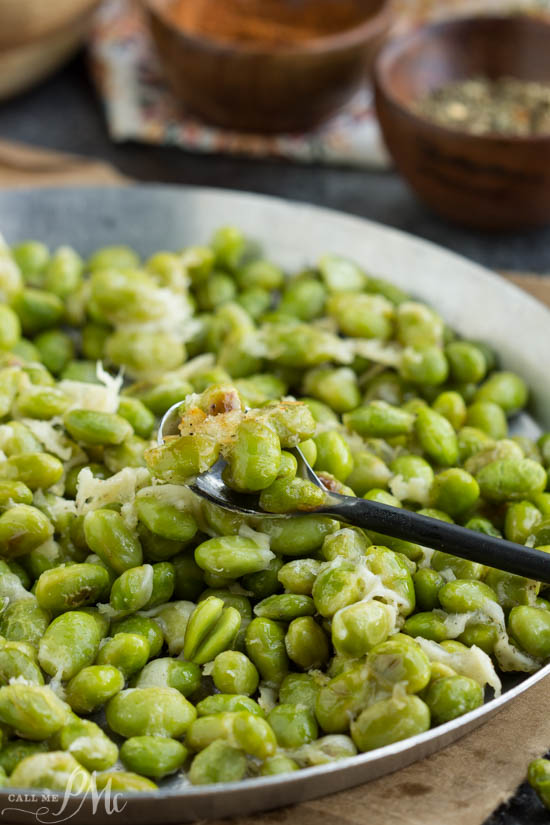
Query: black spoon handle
<point x="440" y="535"/>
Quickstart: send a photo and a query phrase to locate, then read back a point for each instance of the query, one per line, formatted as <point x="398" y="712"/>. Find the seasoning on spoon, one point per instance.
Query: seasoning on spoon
<point x="481" y="106"/>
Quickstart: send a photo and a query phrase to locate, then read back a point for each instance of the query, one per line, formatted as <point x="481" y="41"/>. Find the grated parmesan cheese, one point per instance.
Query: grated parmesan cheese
<point x="415" y="489"/>
<point x="388" y="354"/>
<point x="102" y="397"/>
<point x="53" y="439"/>
<point x="469" y="661"/>
<point x="261" y="539"/>
<point x="93" y="493"/>
<point x="267" y="698"/>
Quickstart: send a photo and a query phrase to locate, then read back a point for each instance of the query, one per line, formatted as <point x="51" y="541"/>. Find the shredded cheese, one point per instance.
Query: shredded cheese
<point x="102" y="397"/>
<point x="52" y="438"/>
<point x="468" y="661"/>
<point x="93" y="493"/>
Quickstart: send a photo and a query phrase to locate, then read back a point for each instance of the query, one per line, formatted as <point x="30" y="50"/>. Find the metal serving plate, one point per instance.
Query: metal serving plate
<point x="477" y="303"/>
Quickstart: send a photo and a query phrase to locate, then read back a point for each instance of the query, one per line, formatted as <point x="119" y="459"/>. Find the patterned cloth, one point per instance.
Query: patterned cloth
<point x="140" y="107"/>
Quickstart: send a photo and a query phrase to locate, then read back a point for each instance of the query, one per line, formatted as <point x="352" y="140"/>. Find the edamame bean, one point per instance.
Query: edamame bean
<point x="124" y="781"/>
<point x="143" y="626"/>
<point x="218" y="762"/>
<point x="16" y="750"/>
<point x="293" y="726"/>
<point x="56" y="770"/>
<point x="157" y="711"/>
<point x="506" y="389"/>
<point x="255" y="457"/>
<point x="128" y="652"/>
<point x="88" y="744"/>
<point x="172" y="673"/>
<point x="68" y="588"/>
<point x="510" y="479"/>
<point x="92" y="687"/>
<point x="306" y="643"/>
<point x="155" y="756"/>
<point x="390" y="720"/>
<point x="380" y="420"/>
<point x="242" y="729"/>
<point x="232" y="556"/>
<point x="344" y="697"/>
<point x="359" y="627"/>
<point x="108" y="536"/>
<point x="530" y="626"/>
<point x="265" y="646"/>
<point x="211" y="630"/>
<point x="437" y="436"/>
<point x="234" y="673"/>
<point x="228" y="703"/>
<point x="32" y="711"/>
<point x="166" y="520"/>
<point x="70" y="643"/>
<point x="24" y="621"/>
<point x="400" y="660"/>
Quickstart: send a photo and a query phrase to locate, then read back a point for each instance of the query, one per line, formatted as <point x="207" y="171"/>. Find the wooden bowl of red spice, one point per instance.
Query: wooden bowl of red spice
<point x="464" y="107"/>
<point x="266" y="65"/>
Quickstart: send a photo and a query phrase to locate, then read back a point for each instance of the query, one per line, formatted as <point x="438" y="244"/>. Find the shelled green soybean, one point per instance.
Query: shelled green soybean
<point x="215" y="645"/>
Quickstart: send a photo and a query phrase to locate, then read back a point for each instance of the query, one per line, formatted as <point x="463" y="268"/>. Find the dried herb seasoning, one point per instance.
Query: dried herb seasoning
<point x="481" y="106"/>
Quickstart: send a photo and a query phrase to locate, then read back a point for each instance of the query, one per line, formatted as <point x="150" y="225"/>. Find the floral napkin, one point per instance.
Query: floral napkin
<point x="139" y="106"/>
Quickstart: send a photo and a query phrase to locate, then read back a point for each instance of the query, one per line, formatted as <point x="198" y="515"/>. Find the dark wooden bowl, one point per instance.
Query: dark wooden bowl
<point x="268" y="88"/>
<point x="488" y="182"/>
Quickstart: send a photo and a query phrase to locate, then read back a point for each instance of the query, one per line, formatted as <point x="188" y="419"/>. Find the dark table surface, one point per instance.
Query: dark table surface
<point x="64" y="113"/>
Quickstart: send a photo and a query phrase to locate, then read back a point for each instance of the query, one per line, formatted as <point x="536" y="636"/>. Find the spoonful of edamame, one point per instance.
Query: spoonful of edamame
<point x="371" y="515"/>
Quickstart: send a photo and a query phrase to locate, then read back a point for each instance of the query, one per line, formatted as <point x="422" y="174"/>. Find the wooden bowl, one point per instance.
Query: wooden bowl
<point x="268" y="88"/>
<point x="26" y="21"/>
<point x="43" y="36"/>
<point x="488" y="181"/>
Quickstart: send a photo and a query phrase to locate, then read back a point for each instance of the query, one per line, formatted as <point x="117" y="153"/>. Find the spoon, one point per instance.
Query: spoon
<point x="371" y="515"/>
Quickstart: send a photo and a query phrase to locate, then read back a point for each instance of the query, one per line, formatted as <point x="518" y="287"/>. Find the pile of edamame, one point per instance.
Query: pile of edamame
<point x="227" y="647"/>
